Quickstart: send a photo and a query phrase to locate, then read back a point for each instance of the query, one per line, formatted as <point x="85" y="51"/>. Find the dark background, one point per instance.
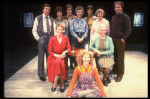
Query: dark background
<point x="16" y="37"/>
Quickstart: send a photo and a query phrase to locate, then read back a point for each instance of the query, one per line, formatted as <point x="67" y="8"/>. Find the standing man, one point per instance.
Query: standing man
<point x="42" y="31"/>
<point x="119" y="31"/>
<point x="69" y="16"/>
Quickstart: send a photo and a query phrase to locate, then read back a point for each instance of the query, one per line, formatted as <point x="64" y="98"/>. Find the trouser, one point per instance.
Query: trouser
<point x="75" y="41"/>
<point x="119" y="48"/>
<point x="42" y="48"/>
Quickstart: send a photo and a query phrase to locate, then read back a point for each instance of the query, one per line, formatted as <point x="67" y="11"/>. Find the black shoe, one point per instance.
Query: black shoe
<point x="108" y="80"/>
<point x="53" y="89"/>
<point x="105" y="83"/>
<point x="62" y="90"/>
<point x="42" y="78"/>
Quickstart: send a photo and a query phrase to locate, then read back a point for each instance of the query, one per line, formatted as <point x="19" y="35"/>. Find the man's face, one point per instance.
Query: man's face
<point x="46" y="11"/>
<point x="118" y="8"/>
<point x="69" y="11"/>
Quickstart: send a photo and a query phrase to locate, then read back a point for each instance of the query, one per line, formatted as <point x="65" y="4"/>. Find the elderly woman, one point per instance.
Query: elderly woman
<point x="58" y="46"/>
<point x="97" y="23"/>
<point x="84" y="74"/>
<point x="78" y="28"/>
<point x="60" y="20"/>
<point x="104" y="48"/>
<point x="90" y="18"/>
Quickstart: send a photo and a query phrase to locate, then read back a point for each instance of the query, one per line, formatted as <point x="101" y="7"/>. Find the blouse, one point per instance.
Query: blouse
<point x="63" y="22"/>
<point x="77" y="25"/>
<point x="77" y="73"/>
<point x="95" y="31"/>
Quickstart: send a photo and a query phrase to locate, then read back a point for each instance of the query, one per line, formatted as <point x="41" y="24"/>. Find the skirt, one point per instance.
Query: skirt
<point x="106" y="62"/>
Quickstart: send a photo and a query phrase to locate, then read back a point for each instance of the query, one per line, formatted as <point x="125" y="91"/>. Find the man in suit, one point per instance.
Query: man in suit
<point x="42" y="31"/>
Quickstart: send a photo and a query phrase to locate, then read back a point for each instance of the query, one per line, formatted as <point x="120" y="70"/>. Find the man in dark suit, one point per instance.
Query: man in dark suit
<point x="42" y="31"/>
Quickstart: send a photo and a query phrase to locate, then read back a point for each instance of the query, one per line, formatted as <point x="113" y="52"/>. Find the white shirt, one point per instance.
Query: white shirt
<point x="34" y="30"/>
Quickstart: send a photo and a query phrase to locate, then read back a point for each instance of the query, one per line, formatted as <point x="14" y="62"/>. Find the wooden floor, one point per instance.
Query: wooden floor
<point x="25" y="82"/>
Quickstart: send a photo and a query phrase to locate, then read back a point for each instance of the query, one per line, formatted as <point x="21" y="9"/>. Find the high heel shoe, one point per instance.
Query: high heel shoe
<point x="62" y="90"/>
<point x="53" y="89"/>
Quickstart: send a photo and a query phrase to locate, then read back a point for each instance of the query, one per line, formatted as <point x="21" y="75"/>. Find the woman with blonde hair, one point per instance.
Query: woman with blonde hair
<point x="56" y="64"/>
<point x="84" y="74"/>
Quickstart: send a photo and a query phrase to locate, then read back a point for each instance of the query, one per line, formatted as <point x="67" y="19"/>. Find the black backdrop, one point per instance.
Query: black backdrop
<point x="16" y="36"/>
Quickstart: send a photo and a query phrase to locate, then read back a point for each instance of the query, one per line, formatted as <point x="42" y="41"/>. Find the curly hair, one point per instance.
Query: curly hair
<point x="80" y="55"/>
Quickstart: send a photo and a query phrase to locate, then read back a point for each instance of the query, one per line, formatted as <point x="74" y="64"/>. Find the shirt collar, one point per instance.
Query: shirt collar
<point x="119" y="13"/>
<point x="45" y="16"/>
<point x="98" y="20"/>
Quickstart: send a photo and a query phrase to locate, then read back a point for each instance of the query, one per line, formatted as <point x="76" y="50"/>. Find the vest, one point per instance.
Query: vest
<point x="40" y="26"/>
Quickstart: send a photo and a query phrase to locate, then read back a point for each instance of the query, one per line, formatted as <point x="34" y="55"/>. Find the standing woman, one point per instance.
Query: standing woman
<point x="60" y="20"/>
<point x="79" y="28"/>
<point x="97" y="23"/>
<point x="58" y="46"/>
<point x="104" y="48"/>
<point x="90" y="18"/>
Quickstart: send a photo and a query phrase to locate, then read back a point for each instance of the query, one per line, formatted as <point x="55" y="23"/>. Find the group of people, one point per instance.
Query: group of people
<point x="55" y="37"/>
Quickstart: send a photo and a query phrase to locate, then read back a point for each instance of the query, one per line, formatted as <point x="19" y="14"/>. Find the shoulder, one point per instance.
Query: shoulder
<point x="51" y="18"/>
<point x="125" y="16"/>
<point x="65" y="37"/>
<point x="40" y="16"/>
<point x="109" y="38"/>
<point x="53" y="38"/>
<point x="105" y="20"/>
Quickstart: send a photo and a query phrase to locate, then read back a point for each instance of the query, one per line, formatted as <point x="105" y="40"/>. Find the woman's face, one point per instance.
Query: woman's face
<point x="89" y="11"/>
<point x="86" y="59"/>
<point x="59" y="31"/>
<point x="118" y="8"/>
<point x="79" y="13"/>
<point x="102" y="31"/>
<point x="100" y="15"/>
<point x="59" y="13"/>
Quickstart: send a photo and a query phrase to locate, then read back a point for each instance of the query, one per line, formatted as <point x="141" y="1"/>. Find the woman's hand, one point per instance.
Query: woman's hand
<point x="80" y="40"/>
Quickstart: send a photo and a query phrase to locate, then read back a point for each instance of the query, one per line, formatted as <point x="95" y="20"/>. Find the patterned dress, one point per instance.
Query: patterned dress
<point x="104" y="60"/>
<point x="84" y="82"/>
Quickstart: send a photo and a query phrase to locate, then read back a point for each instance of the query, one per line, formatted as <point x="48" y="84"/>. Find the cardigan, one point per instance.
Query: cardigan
<point x="109" y="46"/>
<point x="77" y="73"/>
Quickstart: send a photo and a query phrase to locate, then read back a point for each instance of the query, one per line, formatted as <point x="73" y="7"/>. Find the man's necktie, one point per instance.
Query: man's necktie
<point x="48" y="27"/>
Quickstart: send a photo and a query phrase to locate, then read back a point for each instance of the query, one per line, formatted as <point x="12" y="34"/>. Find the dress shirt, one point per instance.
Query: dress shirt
<point x="77" y="25"/>
<point x="63" y="22"/>
<point x="95" y="31"/>
<point x="34" y="30"/>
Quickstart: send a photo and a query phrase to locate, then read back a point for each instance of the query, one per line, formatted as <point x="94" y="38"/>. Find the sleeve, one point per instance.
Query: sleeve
<point x="34" y="29"/>
<point x="86" y="30"/>
<point x="66" y="27"/>
<point x="92" y="45"/>
<point x="98" y="81"/>
<point x="54" y="28"/>
<point x="92" y="31"/>
<point x="73" y="80"/>
<point x="111" y="50"/>
<point x="127" y="24"/>
<point x="50" y="47"/>
<point x="72" y="29"/>
<point x="108" y="28"/>
<point x="68" y="45"/>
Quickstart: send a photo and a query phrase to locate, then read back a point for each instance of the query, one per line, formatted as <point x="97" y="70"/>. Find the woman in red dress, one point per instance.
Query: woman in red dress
<point x="57" y="66"/>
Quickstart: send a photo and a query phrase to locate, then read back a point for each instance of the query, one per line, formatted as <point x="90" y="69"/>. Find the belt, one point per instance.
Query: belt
<point x="80" y="32"/>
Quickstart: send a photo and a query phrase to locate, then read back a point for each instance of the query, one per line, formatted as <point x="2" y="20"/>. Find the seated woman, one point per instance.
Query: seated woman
<point x="104" y="48"/>
<point x="56" y="65"/>
<point x="84" y="74"/>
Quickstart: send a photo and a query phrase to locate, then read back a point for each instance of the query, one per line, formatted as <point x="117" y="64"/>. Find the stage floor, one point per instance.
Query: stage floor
<point x="25" y="82"/>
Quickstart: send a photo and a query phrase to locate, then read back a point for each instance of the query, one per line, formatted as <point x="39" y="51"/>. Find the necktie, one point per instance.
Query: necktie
<point x="48" y="27"/>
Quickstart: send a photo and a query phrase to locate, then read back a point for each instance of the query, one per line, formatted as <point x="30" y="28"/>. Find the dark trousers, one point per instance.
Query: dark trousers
<point x="75" y="41"/>
<point x="42" y="48"/>
<point x="119" y="48"/>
